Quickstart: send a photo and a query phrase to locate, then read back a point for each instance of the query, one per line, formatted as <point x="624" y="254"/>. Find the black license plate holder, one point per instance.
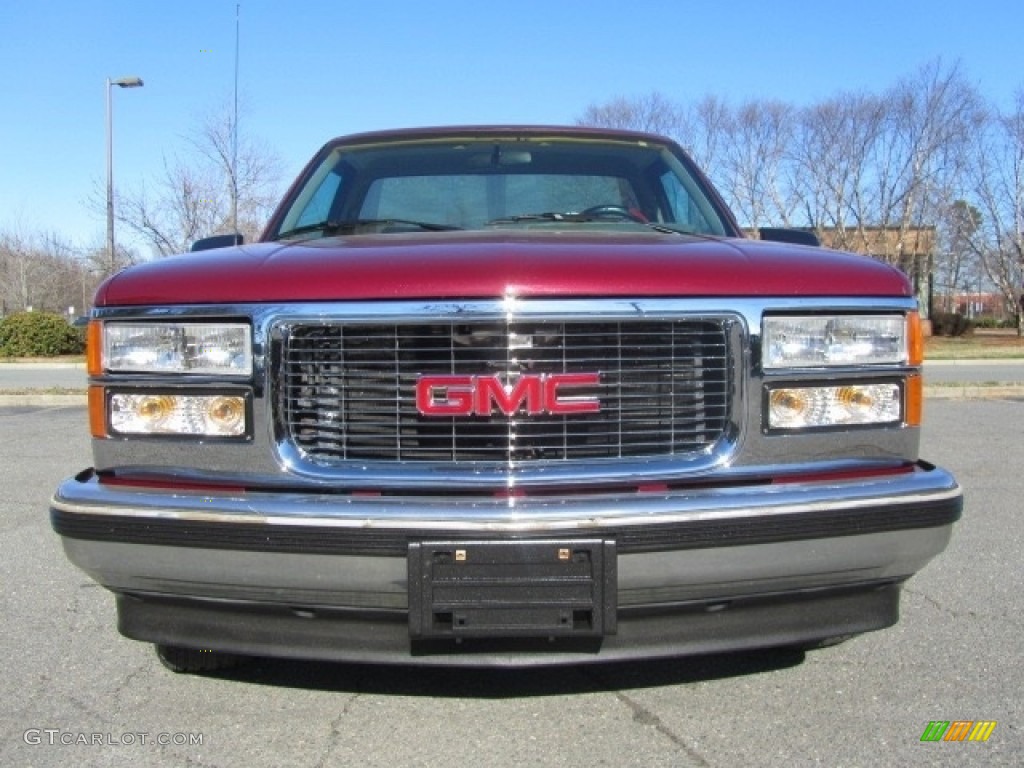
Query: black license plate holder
<point x="507" y="589"/>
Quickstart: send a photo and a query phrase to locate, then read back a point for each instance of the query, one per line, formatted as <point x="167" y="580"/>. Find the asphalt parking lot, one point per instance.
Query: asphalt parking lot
<point x="79" y="694"/>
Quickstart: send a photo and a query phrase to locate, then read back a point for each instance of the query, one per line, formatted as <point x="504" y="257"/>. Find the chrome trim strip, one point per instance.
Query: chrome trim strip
<point x="369" y="311"/>
<point x="358" y="437"/>
<point x="511" y="515"/>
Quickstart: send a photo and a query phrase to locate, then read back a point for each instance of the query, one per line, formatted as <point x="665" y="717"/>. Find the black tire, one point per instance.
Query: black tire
<point x="826" y="642"/>
<point x="193" y="660"/>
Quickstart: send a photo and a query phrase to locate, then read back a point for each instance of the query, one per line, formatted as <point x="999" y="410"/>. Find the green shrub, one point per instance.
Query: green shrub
<point x="39" y="334"/>
<point x="987" y="321"/>
<point x="991" y="321"/>
<point x="950" y="324"/>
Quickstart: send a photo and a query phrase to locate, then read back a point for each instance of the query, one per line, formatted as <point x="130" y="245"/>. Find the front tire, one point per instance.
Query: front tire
<point x="195" y="660"/>
<point x="827" y="642"/>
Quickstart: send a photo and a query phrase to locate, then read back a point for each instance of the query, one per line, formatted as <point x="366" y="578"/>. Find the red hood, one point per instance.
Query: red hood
<point x="474" y="265"/>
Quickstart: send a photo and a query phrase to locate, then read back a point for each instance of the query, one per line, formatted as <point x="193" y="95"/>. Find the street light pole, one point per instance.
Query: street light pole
<point x="121" y="82"/>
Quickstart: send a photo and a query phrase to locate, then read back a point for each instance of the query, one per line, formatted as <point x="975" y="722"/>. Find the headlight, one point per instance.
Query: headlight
<point x="834" y="340"/>
<point x="170" y="413"/>
<point x="834" y="406"/>
<point x="223" y="349"/>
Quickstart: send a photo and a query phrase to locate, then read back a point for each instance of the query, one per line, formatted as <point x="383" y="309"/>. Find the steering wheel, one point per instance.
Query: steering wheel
<point x="614" y="211"/>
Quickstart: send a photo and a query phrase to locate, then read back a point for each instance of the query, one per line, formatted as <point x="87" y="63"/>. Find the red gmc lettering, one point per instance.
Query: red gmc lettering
<point x="554" y="402"/>
<point x="490" y="391"/>
<point x="445" y="395"/>
<point x="479" y="395"/>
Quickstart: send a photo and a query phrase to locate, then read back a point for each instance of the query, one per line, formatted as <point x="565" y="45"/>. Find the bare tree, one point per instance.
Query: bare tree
<point x="879" y="173"/>
<point x="251" y="179"/>
<point x="20" y="272"/>
<point x="998" y="180"/>
<point x="707" y="125"/>
<point x="38" y="270"/>
<point x="702" y="129"/>
<point x="931" y="117"/>
<point x="759" y="138"/>
<point x="957" y="262"/>
<point x="187" y="205"/>
<point x="195" y="194"/>
<point x="831" y="162"/>
<point x="652" y="113"/>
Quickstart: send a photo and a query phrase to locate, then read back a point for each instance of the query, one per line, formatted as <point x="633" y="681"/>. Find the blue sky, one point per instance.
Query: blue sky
<point x="311" y="70"/>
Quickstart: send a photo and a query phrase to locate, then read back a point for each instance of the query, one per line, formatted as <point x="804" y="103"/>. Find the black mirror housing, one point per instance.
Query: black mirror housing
<point x="217" y="241"/>
<point x="785" y="235"/>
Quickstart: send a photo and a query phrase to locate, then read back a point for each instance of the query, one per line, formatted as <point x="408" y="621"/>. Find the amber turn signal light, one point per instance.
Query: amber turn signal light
<point x="914" y="401"/>
<point x="97" y="412"/>
<point x="94" y="348"/>
<point x="915" y="339"/>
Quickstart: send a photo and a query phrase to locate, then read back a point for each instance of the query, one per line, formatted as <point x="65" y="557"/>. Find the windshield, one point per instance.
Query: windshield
<point x="488" y="183"/>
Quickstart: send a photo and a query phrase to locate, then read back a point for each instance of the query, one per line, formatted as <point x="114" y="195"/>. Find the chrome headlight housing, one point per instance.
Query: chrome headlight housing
<point x="815" y="341"/>
<point x="219" y="349"/>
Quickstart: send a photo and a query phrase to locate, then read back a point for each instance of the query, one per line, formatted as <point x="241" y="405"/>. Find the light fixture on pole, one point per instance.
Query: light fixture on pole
<point x="121" y="82"/>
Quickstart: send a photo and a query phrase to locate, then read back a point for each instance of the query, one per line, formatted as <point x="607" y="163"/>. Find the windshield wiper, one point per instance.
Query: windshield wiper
<point x="672" y="229"/>
<point x="351" y="225"/>
<point x="547" y="216"/>
<point x="585" y="218"/>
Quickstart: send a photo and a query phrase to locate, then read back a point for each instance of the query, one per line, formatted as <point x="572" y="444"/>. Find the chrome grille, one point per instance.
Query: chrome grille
<point x="347" y="390"/>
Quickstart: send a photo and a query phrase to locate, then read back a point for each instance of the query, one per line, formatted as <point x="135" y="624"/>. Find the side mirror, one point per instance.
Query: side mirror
<point x="217" y="241"/>
<point x="795" y="236"/>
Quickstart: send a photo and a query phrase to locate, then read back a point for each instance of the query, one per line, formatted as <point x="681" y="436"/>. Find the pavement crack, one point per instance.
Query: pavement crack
<point x="87" y="709"/>
<point x="128" y="682"/>
<point x="188" y="760"/>
<point x="645" y="716"/>
<point x="1009" y="618"/>
<point x="334" y="731"/>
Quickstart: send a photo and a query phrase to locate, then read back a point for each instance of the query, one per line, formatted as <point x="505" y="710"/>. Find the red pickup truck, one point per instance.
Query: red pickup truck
<point x="503" y="396"/>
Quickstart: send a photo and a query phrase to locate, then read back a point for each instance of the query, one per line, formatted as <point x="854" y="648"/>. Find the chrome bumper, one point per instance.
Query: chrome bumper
<point x="791" y="562"/>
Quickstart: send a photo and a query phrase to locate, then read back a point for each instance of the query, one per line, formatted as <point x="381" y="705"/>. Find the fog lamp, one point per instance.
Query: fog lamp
<point x="177" y="414"/>
<point x="834" y="406"/>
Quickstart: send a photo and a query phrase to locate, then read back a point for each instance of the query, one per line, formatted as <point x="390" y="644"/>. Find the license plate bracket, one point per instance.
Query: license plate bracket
<point x="546" y="588"/>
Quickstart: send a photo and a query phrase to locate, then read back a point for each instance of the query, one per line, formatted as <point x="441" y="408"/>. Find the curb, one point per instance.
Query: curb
<point x="974" y="392"/>
<point x="42" y="400"/>
<point x="44" y="366"/>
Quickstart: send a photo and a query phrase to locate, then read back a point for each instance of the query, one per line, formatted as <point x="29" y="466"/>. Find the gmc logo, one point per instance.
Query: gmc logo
<point x="537" y="394"/>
